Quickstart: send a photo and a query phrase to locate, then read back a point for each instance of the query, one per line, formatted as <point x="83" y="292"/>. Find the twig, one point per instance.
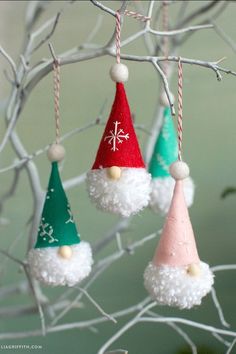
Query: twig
<point x="182" y="333"/>
<point x="98" y="307"/>
<point x="166" y="86"/>
<point x="225" y="36"/>
<point x="118" y="241"/>
<point x="219" y="308"/>
<point x="119" y="227"/>
<point x="231" y="347"/>
<point x="37" y="153"/>
<point x="74" y="182"/>
<point x="12" y="64"/>
<point x="13" y="258"/>
<point x="25" y="65"/>
<point x="82" y="324"/>
<point x="49" y="35"/>
<point x="221" y="339"/>
<point x="37" y="301"/>
<point x="196" y="13"/>
<point x="7" y="76"/>
<point x="94" y="31"/>
<point x="223" y="267"/>
<point x="125" y="328"/>
<point x="8" y="194"/>
<point x="199" y="325"/>
<point x="103" y="7"/>
<point x="180" y="31"/>
<point x="10" y="290"/>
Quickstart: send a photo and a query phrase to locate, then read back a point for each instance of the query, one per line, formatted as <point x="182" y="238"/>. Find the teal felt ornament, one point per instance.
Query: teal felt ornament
<point x="57" y="227"/>
<point x="164" y="154"/>
<point x="59" y="257"/>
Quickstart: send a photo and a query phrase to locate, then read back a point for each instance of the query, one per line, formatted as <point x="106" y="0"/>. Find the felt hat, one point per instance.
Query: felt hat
<point x="166" y="148"/>
<point x="119" y="145"/>
<point x="177" y="245"/>
<point x="57" y="227"/>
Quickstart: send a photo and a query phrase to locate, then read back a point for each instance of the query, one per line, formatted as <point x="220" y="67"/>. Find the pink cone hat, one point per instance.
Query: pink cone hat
<point x="177" y="245"/>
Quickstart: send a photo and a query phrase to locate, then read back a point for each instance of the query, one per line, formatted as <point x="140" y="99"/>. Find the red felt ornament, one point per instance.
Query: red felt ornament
<point x="118" y="181"/>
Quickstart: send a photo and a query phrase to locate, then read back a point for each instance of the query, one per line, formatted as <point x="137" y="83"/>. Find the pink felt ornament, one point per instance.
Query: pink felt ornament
<point x="176" y="276"/>
<point x="177" y="245"/>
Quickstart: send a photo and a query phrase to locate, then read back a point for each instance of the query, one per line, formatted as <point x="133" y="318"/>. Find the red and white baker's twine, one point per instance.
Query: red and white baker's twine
<point x="137" y="16"/>
<point x="133" y="14"/>
<point x="118" y="28"/>
<point x="56" y="83"/>
<point x="180" y="108"/>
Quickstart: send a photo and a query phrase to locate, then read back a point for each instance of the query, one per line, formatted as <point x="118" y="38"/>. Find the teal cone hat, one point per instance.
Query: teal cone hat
<point x="59" y="257"/>
<point x="164" y="154"/>
<point x="57" y="227"/>
<point x="166" y="148"/>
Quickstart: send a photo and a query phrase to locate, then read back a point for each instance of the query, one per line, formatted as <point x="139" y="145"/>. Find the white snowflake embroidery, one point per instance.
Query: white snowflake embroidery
<point x="162" y="163"/>
<point x="165" y="130"/>
<point x="116" y="136"/>
<point x="71" y="219"/>
<point x="47" y="230"/>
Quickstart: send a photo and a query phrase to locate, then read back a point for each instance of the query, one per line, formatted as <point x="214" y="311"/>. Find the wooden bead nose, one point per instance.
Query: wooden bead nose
<point x="114" y="172"/>
<point x="65" y="252"/>
<point x="194" y="270"/>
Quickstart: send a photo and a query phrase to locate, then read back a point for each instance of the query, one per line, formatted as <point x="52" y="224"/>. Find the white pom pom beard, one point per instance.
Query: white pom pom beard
<point x="47" y="266"/>
<point x="162" y="192"/>
<point x="173" y="286"/>
<point x="126" y="196"/>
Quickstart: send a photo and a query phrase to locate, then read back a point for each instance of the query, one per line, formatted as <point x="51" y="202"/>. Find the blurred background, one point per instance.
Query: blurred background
<point x="209" y="147"/>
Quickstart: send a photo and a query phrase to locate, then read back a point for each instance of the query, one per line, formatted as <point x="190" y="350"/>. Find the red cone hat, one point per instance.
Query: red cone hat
<point x="119" y="145"/>
<point x="177" y="245"/>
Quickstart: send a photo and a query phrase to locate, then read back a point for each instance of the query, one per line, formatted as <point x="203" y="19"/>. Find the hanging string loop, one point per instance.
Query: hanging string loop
<point x="56" y="86"/>
<point x="180" y="108"/>
<point x="133" y="14"/>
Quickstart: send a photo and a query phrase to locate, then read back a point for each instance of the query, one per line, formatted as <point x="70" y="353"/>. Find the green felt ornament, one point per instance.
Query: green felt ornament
<point x="57" y="227"/>
<point x="166" y="148"/>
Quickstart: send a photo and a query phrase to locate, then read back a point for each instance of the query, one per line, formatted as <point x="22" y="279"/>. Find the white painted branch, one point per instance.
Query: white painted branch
<point x="26" y="79"/>
<point x="229" y="351"/>
<point x="98" y="307"/>
<point x="221" y="339"/>
<point x="223" y="267"/>
<point x="179" y="330"/>
<point x="118" y="351"/>
<point x="219" y="308"/>
<point x="11" y="62"/>
<point x="198" y="325"/>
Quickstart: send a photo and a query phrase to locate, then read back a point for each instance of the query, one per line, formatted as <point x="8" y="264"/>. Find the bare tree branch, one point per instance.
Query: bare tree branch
<point x="26" y="76"/>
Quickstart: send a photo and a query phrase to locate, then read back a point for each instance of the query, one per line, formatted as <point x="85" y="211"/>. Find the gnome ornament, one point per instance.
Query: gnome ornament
<point x="118" y="182"/>
<point x="59" y="257"/>
<point x="166" y="148"/>
<point x="165" y="152"/>
<point x="176" y="276"/>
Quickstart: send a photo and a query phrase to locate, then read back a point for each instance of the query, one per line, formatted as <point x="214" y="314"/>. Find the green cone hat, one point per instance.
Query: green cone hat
<point x="57" y="227"/>
<point x="166" y="148"/>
